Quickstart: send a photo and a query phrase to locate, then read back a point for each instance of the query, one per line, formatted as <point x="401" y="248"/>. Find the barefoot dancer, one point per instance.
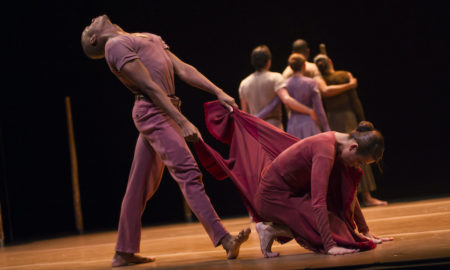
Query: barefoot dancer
<point x="344" y="111"/>
<point x="144" y="64"/>
<point x="306" y="188"/>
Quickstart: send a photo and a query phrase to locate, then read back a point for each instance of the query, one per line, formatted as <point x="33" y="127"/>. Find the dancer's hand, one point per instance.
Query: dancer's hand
<point x="352" y="80"/>
<point x="190" y="132"/>
<point x="341" y="251"/>
<point x="314" y="116"/>
<point x="227" y="101"/>
<point x="375" y="239"/>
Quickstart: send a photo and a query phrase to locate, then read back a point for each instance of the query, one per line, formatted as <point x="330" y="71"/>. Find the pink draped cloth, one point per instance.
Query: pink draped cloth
<point x="254" y="144"/>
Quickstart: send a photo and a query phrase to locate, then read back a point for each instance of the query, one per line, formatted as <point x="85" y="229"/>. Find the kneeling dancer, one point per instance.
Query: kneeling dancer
<point x="301" y="189"/>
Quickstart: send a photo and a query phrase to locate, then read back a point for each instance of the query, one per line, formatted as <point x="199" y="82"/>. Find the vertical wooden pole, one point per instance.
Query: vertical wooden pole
<point x="74" y="162"/>
<point x="2" y="232"/>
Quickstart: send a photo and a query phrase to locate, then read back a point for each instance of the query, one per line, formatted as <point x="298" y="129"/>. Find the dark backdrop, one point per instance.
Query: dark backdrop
<point x="397" y="51"/>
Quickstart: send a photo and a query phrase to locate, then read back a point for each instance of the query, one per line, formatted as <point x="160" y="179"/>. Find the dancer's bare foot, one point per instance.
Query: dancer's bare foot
<point x="375" y="202"/>
<point x="341" y="251"/>
<point x="232" y="244"/>
<point x="124" y="259"/>
<point x="266" y="238"/>
<point x="368" y="200"/>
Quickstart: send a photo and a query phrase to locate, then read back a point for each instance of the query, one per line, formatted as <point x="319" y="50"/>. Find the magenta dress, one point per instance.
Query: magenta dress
<point x="300" y="184"/>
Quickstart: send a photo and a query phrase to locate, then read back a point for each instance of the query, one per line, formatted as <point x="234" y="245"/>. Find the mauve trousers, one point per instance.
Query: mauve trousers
<point x="160" y="144"/>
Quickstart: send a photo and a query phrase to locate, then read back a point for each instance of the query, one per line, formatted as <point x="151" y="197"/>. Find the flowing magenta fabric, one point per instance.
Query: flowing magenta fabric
<point x="253" y="144"/>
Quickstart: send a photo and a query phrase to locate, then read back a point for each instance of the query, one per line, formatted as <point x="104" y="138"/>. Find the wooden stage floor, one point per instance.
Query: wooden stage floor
<point x="421" y="230"/>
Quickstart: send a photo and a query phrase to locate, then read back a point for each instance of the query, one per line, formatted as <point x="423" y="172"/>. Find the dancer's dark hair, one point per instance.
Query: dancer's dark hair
<point x="260" y="56"/>
<point x="296" y="61"/>
<point x="323" y="63"/>
<point x="370" y="141"/>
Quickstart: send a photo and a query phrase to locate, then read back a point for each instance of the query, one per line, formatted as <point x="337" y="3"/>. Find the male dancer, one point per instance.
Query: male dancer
<point x="260" y="87"/>
<point x="144" y="64"/>
<point x="258" y="90"/>
<point x="301" y="46"/>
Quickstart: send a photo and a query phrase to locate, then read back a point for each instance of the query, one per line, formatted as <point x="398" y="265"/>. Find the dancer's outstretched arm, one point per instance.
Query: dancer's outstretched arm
<point x="294" y="105"/>
<point x="193" y="77"/>
<point x="335" y="89"/>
